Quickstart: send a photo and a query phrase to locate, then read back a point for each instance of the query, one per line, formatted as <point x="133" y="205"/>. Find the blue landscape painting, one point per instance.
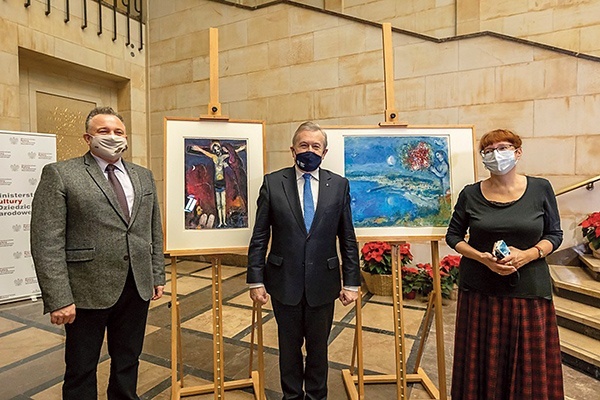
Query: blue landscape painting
<point x="399" y="181"/>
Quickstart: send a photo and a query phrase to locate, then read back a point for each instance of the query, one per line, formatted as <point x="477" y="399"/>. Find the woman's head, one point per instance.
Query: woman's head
<point x="500" y="150"/>
<point x="498" y="136"/>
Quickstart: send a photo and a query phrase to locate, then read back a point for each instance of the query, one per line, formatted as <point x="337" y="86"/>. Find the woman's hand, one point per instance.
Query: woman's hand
<point x="517" y="257"/>
<point x="501" y="267"/>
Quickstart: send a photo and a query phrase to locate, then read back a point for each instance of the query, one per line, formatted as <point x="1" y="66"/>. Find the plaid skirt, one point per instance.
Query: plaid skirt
<point x="506" y="349"/>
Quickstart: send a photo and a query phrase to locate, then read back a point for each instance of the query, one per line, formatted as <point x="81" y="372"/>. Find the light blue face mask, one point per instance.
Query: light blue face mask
<point x="500" y="162"/>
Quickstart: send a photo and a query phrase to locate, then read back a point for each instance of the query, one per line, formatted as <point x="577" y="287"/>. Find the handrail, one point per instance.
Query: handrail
<point x="588" y="183"/>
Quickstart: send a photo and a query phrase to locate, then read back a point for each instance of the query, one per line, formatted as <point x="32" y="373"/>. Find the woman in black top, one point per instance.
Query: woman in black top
<point x="506" y="344"/>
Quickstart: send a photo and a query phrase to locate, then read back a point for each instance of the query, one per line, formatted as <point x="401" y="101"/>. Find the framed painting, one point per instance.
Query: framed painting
<point x="213" y="172"/>
<point x="404" y="181"/>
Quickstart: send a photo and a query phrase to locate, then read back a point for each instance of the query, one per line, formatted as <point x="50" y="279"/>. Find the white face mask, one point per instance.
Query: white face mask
<point x="500" y="162"/>
<point x="108" y="147"/>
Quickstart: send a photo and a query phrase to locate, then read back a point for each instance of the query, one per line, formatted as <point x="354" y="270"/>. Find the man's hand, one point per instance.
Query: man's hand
<point x="65" y="315"/>
<point x="259" y="295"/>
<point x="348" y="296"/>
<point x="158" y="292"/>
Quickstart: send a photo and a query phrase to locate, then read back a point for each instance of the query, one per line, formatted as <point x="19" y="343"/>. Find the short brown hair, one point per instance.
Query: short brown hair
<point x="500" y="135"/>
<point x="98" y="111"/>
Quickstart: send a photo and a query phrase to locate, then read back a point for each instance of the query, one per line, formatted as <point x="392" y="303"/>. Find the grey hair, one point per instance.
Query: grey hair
<point x="311" y="127"/>
<point x="101" y="111"/>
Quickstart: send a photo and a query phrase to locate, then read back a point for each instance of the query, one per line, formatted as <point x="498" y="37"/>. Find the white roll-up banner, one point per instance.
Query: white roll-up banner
<point x="22" y="157"/>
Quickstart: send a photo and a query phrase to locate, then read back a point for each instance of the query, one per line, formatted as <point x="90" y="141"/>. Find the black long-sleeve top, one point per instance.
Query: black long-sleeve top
<point x="521" y="224"/>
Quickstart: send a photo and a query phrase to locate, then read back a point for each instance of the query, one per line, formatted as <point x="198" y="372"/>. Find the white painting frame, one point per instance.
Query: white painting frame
<point x="178" y="239"/>
<point x="461" y="158"/>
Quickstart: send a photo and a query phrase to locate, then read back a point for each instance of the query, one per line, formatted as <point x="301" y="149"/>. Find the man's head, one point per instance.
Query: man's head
<point x="216" y="148"/>
<point x="105" y="134"/>
<point x="309" y="146"/>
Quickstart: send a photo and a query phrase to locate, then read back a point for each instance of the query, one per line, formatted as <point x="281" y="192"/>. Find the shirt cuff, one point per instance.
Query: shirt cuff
<point x="255" y="285"/>
<point x="351" y="288"/>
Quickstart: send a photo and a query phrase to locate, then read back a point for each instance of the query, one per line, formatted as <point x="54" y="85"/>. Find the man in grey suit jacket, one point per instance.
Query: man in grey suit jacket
<point x="305" y="211"/>
<point x="96" y="241"/>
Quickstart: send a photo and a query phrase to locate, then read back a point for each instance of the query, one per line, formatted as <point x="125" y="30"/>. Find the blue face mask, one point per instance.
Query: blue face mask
<point x="308" y="161"/>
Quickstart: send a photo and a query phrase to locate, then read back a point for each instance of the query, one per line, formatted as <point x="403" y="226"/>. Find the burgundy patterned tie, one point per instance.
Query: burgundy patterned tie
<point x="116" y="185"/>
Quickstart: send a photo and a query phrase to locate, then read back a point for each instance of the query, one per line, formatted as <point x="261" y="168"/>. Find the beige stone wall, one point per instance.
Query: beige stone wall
<point x="42" y="52"/>
<point x="285" y="64"/>
<point x="568" y="24"/>
<point x="429" y="17"/>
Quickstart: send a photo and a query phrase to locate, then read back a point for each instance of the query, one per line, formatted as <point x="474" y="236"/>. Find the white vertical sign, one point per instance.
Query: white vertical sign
<point x="22" y="157"/>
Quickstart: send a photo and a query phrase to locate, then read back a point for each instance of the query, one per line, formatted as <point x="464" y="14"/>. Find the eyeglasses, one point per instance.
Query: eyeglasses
<point x="490" y="150"/>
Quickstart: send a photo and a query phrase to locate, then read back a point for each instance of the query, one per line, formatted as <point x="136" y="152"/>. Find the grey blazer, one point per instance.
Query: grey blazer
<point x="81" y="244"/>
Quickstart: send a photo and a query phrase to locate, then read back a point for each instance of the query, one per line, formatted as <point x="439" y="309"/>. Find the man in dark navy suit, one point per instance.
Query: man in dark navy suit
<point x="305" y="211"/>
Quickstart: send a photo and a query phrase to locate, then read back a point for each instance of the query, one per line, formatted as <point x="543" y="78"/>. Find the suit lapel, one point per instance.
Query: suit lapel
<point x="98" y="177"/>
<point x="290" y="188"/>
<point x="137" y="189"/>
<point x="325" y="195"/>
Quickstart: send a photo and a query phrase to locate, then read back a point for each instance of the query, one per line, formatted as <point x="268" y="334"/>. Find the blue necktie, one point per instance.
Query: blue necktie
<point x="309" y="205"/>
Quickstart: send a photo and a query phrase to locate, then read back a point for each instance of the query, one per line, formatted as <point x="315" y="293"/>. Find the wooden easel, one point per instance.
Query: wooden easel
<point x="355" y="376"/>
<point x="219" y="385"/>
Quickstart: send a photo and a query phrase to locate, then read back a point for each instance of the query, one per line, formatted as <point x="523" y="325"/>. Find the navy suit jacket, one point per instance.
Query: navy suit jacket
<point x="301" y="262"/>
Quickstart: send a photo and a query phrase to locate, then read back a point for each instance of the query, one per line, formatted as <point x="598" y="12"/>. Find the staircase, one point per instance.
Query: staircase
<point x="577" y="303"/>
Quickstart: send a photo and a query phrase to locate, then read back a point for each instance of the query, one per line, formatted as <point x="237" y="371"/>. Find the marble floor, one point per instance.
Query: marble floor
<point x="31" y="349"/>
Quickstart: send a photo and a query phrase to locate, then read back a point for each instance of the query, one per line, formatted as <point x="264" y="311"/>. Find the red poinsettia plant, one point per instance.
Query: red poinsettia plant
<point x="448" y="275"/>
<point x="449" y="267"/>
<point x="377" y="257"/>
<point x="410" y="279"/>
<point x="591" y="229"/>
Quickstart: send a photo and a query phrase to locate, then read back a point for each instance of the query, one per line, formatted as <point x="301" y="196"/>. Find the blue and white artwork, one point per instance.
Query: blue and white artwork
<point x="398" y="181"/>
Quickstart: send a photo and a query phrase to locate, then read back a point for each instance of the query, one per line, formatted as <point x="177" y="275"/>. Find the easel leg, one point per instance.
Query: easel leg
<point x="257" y="377"/>
<point x="399" y="323"/>
<point x="426" y="326"/>
<point x="251" y="357"/>
<point x="359" y="345"/>
<point x="174" y="331"/>
<point x="439" y="321"/>
<point x="219" y="373"/>
<point x="261" y="355"/>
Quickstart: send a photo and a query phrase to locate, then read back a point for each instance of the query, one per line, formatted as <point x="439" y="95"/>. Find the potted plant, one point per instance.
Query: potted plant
<point x="425" y="278"/>
<point x="410" y="281"/>
<point x="376" y="270"/>
<point x="448" y="276"/>
<point x="590" y="227"/>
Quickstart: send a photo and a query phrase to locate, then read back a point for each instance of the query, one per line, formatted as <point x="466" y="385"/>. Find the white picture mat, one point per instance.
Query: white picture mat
<point x="461" y="155"/>
<point x="209" y="241"/>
